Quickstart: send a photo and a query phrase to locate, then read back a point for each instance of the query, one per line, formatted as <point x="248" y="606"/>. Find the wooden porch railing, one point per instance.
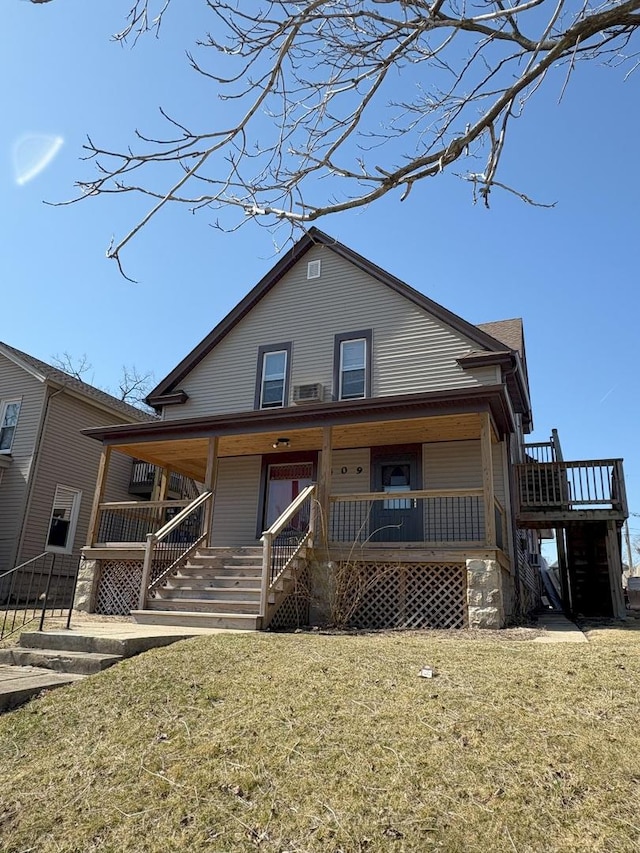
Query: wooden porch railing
<point x="501" y="524"/>
<point x="428" y="516"/>
<point x="285" y="539"/>
<point x="131" y="521"/>
<point x="568" y="486"/>
<point x="178" y="538"/>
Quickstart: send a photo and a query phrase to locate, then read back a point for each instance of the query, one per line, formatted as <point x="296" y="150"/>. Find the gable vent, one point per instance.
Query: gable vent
<point x="310" y="393"/>
<point x="313" y="269"/>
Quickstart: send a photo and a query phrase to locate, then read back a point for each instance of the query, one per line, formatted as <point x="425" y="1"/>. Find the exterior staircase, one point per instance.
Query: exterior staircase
<point x="216" y="588"/>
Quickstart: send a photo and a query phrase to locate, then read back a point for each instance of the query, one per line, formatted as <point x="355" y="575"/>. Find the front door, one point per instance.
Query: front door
<point x="284" y="482"/>
<point x="396" y="519"/>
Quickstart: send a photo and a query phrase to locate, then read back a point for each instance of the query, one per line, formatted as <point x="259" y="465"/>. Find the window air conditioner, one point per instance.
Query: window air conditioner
<point x="310" y="393"/>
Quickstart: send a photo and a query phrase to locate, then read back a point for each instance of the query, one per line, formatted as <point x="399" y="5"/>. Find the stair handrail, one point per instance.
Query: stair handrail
<point x="154" y="538"/>
<point x="22" y="565"/>
<point x="36" y="602"/>
<point x="269" y="535"/>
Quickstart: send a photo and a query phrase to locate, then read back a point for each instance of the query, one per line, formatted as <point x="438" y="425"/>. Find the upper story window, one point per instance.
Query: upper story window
<point x="9" y="412"/>
<point x="352" y="365"/>
<point x="272" y="383"/>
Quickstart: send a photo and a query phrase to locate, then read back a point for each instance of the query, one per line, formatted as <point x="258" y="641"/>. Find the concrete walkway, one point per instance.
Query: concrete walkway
<point x="19" y="683"/>
<point x="558" y="629"/>
<point x="86" y="639"/>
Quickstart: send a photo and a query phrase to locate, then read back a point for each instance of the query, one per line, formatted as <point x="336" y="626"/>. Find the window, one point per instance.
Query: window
<point x="64" y="517"/>
<point x="9" y="412"/>
<point x="352" y="365"/>
<point x="272" y="384"/>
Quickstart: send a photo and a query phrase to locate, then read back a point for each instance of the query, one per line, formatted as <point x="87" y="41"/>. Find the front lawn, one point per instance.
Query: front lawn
<point x="312" y="742"/>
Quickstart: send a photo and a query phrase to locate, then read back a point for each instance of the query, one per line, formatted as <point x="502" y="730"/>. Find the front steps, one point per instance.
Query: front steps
<point x="44" y="660"/>
<point x="216" y="588"/>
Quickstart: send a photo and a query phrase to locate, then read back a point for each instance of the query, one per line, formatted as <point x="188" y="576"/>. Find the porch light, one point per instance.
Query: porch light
<point x="281" y="442"/>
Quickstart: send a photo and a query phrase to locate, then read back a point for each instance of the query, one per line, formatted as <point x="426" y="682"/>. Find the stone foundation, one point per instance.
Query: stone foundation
<point x="86" y="586"/>
<point x="484" y="594"/>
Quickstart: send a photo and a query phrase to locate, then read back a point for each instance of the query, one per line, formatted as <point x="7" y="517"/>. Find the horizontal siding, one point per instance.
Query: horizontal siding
<point x="68" y="458"/>
<point x="235" y="514"/>
<point x="412" y="351"/>
<point x="17" y="384"/>
<point x="350" y="471"/>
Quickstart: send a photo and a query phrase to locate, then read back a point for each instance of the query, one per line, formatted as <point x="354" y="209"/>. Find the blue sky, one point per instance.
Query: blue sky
<point x="570" y="272"/>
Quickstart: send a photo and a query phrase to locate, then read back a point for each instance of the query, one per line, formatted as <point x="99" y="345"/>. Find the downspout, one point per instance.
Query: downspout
<point x="33" y="471"/>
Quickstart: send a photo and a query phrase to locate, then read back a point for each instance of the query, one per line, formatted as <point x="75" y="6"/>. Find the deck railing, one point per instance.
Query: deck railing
<point x="168" y="548"/>
<point x="426" y="516"/>
<point x="132" y="521"/>
<point x="43" y="585"/>
<point x="285" y="539"/>
<point x="567" y="486"/>
<point x="144" y="473"/>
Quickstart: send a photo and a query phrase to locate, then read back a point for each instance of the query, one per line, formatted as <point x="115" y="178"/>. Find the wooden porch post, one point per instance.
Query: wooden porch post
<point x="324" y="480"/>
<point x="210" y="483"/>
<point x="563" y="571"/>
<point x="487" y="482"/>
<point x="98" y="495"/>
<point x="165" y="475"/>
<point x="614" y="561"/>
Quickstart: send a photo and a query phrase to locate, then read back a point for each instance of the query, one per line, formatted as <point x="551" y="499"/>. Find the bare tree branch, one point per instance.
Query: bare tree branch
<point x="313" y="124"/>
<point x="133" y="386"/>
<point x="76" y="367"/>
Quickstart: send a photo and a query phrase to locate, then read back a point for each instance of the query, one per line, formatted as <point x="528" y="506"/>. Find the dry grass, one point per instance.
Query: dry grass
<point x="312" y="742"/>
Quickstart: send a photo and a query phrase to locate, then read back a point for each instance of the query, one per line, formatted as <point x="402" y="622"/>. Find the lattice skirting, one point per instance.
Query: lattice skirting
<point x="119" y="585"/>
<point x="293" y="612"/>
<point x="412" y="595"/>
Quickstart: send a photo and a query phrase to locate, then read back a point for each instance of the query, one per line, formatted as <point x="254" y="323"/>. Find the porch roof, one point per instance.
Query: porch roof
<point x="181" y="443"/>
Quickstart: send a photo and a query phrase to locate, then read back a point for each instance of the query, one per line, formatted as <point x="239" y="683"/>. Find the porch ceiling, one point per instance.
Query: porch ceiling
<point x="189" y="455"/>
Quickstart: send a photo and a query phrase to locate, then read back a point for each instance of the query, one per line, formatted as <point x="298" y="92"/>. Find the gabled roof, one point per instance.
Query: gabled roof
<point x="44" y="372"/>
<point x="509" y="332"/>
<point x="169" y="385"/>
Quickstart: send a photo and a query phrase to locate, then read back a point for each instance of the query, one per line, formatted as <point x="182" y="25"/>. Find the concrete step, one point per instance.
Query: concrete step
<point x="19" y="683"/>
<point x="201" y="605"/>
<point x="190" y="619"/>
<point x="123" y="646"/>
<point x="79" y="663"/>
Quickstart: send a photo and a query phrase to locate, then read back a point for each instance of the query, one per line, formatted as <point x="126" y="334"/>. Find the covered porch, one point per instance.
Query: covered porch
<point x="422" y="493"/>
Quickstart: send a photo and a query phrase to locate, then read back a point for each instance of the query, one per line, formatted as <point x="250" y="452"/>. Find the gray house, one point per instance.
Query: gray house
<point x="48" y="469"/>
<point x="363" y="449"/>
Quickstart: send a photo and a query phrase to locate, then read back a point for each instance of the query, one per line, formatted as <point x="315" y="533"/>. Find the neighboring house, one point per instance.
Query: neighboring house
<point x="48" y="469"/>
<point x="362" y="448"/>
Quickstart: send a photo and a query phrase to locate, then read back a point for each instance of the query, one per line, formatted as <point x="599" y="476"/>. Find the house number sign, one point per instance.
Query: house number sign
<point x="345" y="470"/>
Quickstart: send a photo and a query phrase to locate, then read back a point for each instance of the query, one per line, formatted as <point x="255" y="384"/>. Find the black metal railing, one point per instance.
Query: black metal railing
<point x="286" y="538"/>
<point x="130" y="521"/>
<point x="167" y="549"/>
<point x="407" y="517"/>
<point x="40" y="587"/>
